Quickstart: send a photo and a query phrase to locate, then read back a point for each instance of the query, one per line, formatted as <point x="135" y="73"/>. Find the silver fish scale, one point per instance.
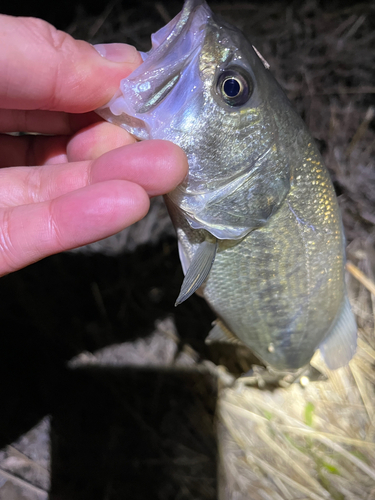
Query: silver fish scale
<point x="256" y="185"/>
<point x="277" y="271"/>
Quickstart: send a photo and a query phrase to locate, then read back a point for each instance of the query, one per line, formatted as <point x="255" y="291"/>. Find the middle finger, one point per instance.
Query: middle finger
<point x="87" y="144"/>
<point x="157" y="166"/>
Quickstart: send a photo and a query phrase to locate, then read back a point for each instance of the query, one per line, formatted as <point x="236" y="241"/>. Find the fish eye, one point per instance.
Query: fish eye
<point x="234" y="87"/>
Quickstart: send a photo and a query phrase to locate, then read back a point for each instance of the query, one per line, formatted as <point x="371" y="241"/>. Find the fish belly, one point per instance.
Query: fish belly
<point x="279" y="290"/>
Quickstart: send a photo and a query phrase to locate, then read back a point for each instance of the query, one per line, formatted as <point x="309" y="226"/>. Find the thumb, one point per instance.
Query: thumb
<point x="44" y="68"/>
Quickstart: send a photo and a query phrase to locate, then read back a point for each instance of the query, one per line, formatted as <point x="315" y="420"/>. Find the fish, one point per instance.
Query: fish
<point x="259" y="230"/>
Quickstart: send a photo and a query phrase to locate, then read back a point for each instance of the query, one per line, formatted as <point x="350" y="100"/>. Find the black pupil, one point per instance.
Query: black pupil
<point x="231" y="87"/>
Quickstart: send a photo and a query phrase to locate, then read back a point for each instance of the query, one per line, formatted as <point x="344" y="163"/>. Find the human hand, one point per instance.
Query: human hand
<point x="88" y="179"/>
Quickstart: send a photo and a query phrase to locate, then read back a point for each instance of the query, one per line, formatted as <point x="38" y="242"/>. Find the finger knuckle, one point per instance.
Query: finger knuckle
<point x="32" y="184"/>
<point x="53" y="228"/>
<point x="58" y="49"/>
<point x="44" y="32"/>
<point x="8" y="261"/>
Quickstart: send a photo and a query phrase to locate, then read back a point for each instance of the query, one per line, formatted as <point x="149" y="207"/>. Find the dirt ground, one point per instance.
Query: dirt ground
<point x="110" y="392"/>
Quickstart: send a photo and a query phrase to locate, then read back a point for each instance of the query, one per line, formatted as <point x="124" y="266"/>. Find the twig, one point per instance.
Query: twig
<point x="361" y="130"/>
<point x="298" y="426"/>
<point x="252" y="458"/>
<point x="164" y="14"/>
<point x="358" y="378"/>
<point x="101" y="19"/>
<point x="361" y="277"/>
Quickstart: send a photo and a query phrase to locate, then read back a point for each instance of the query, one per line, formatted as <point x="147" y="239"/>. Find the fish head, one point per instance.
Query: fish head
<point x="203" y="87"/>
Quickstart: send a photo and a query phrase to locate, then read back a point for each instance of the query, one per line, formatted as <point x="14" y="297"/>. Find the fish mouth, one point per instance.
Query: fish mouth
<point x="174" y="28"/>
<point x="170" y="40"/>
<point x="174" y="47"/>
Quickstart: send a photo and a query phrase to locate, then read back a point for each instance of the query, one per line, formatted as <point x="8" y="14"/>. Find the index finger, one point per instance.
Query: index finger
<point x="44" y="68"/>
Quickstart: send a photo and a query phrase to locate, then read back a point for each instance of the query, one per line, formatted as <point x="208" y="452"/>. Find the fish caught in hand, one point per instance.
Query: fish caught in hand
<point x="258" y="224"/>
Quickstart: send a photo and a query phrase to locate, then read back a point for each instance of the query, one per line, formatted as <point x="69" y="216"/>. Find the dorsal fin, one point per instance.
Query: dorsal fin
<point x="198" y="271"/>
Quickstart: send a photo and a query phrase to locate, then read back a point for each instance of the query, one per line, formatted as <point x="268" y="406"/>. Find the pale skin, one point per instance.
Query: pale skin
<point x="87" y="179"/>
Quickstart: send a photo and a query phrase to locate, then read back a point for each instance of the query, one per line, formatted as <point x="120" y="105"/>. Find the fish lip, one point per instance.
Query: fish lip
<point x="162" y="42"/>
<point x="132" y="99"/>
<point x="176" y="26"/>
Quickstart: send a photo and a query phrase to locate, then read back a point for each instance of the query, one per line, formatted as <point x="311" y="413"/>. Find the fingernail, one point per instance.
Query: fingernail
<point x="118" y="52"/>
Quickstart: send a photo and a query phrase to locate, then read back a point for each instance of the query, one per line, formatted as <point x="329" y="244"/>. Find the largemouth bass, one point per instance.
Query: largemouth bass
<point x="258" y="224"/>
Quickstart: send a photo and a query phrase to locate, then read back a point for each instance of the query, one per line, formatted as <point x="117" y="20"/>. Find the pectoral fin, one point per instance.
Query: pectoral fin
<point x="198" y="270"/>
<point x="184" y="259"/>
<point x="339" y="347"/>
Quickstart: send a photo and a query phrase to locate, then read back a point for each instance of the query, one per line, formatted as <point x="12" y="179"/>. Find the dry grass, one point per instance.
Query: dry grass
<point x="313" y="442"/>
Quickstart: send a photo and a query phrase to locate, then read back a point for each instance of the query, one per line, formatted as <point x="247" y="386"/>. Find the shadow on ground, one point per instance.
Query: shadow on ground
<point x="113" y="430"/>
<point x="135" y="433"/>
